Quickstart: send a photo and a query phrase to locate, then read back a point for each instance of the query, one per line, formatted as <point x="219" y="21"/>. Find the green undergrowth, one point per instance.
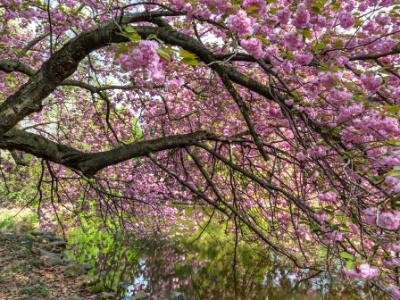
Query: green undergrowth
<point x="106" y="249"/>
<point x="16" y="219"/>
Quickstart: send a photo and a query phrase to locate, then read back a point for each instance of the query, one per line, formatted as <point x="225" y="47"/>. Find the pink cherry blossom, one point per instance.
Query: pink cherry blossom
<point x="301" y="17"/>
<point x="393" y="263"/>
<point x="283" y="16"/>
<point x="293" y="41"/>
<point x="301" y="156"/>
<point x="240" y="23"/>
<point x="369" y="215"/>
<point x="303" y="58"/>
<point x="254" y="47"/>
<point x="395" y="291"/>
<point x="395" y="247"/>
<point x="389" y="220"/>
<point x="363" y="271"/>
<point x="329" y="197"/>
<point x="371" y="82"/>
<point x="346" y="20"/>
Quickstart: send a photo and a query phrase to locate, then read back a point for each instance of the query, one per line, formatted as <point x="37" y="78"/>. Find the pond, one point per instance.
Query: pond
<point x="206" y="266"/>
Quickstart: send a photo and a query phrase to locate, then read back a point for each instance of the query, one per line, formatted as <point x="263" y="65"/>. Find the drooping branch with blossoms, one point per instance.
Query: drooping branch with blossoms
<point x="282" y="115"/>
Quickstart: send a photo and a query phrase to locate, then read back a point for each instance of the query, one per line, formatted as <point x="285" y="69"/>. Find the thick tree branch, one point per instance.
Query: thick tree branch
<point x="90" y="163"/>
<point x="61" y="65"/>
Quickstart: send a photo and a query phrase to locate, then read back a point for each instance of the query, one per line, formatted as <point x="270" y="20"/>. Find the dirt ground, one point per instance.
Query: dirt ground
<point x="24" y="275"/>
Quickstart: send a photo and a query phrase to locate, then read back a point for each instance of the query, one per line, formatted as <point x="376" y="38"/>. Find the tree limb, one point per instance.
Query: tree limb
<point x="61" y="65"/>
<point x="90" y="163"/>
<point x="10" y="65"/>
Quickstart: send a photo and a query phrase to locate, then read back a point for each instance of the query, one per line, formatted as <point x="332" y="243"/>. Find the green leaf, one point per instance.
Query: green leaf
<point x="318" y="6"/>
<point x="392" y="108"/>
<point x="350" y="264"/>
<point x="122" y="48"/>
<point x="335" y="226"/>
<point x="335" y="6"/>
<point x="314" y="228"/>
<point x="252" y="10"/>
<point x="393" y="173"/>
<point x="129" y="29"/>
<point x="154" y="37"/>
<point x="132" y="34"/>
<point x="306" y="33"/>
<point x="359" y="97"/>
<point x="338" y="44"/>
<point x="288" y="55"/>
<point x="134" y="37"/>
<point x="393" y="142"/>
<point x="187" y="54"/>
<point x="190" y="61"/>
<point x="346" y="255"/>
<point x="273" y="10"/>
<point x="320" y="46"/>
<point x="164" y="53"/>
<point x="263" y="39"/>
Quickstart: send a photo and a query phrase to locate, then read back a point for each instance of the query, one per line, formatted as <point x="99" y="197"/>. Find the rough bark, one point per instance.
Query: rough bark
<point x="90" y="163"/>
<point x="60" y="66"/>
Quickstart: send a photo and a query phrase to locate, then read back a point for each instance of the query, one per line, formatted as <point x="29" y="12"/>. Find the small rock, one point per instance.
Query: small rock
<point x="49" y="258"/>
<point x="55" y="246"/>
<point x="59" y="243"/>
<point x="37" y="232"/>
<point x="44" y="237"/>
<point x="86" y="267"/>
<point x="84" y="280"/>
<point x="107" y="295"/>
<point x="74" y="269"/>
<point x="50" y="236"/>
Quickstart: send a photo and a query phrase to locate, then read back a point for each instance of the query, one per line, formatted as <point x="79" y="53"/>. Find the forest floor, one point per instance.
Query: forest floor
<point x="31" y="263"/>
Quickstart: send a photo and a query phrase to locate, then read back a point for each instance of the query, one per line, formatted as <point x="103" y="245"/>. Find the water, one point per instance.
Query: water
<point x="186" y="268"/>
<point x="197" y="277"/>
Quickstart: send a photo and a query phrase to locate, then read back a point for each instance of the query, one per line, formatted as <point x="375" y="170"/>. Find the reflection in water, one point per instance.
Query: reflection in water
<point x="183" y="266"/>
<point x="169" y="271"/>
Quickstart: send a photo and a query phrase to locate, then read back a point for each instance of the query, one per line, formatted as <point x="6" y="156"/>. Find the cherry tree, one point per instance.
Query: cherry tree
<point x="282" y="115"/>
